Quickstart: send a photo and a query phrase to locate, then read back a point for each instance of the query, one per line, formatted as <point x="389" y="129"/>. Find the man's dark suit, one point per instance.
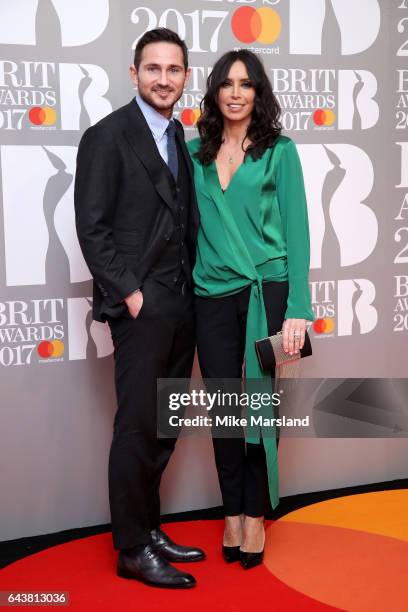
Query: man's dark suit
<point x="130" y="229"/>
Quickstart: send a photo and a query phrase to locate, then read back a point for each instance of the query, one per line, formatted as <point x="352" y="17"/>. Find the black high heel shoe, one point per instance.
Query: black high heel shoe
<point x="230" y="553"/>
<point x="249" y="560"/>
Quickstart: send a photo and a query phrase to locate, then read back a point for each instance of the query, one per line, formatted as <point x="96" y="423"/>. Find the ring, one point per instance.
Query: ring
<point x="296" y="334"/>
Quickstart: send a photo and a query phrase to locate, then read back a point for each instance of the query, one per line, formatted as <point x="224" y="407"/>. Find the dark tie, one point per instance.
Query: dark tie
<point x="172" y="149"/>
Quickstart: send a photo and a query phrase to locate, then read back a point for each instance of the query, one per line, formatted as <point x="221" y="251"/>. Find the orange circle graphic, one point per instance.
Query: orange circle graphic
<point x="324" y="326"/>
<point x="50" y="348"/>
<point x="323" y="116"/>
<point x="42" y="116"/>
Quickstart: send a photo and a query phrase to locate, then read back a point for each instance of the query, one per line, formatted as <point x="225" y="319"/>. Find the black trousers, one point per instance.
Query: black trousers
<point x="221" y="325"/>
<point x="159" y="343"/>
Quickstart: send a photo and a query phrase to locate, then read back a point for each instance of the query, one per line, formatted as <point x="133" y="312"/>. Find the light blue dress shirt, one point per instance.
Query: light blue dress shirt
<point x="157" y="124"/>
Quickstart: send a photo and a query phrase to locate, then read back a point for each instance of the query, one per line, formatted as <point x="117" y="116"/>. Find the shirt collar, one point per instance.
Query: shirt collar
<point x="157" y="123"/>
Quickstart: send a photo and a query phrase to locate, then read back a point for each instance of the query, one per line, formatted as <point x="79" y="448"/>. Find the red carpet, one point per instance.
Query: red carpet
<point x="85" y="568"/>
<point x="347" y="553"/>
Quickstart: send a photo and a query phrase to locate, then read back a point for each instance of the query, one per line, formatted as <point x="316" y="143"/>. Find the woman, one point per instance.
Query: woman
<point x="251" y="273"/>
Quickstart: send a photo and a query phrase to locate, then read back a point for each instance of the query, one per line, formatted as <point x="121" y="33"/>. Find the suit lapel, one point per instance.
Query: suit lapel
<point x="189" y="164"/>
<point x="182" y="143"/>
<point x="142" y="142"/>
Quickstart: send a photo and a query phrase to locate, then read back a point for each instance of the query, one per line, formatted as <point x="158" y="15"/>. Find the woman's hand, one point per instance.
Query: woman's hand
<point x="293" y="335"/>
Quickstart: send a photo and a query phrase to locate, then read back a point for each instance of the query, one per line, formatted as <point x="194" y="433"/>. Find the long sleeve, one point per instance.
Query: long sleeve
<point x="96" y="183"/>
<point x="293" y="208"/>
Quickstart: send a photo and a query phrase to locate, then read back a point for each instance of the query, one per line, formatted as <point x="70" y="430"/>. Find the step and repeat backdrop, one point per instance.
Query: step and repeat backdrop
<point x="339" y="69"/>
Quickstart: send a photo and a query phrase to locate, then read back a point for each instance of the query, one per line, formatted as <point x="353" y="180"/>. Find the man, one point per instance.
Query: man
<point x="137" y="222"/>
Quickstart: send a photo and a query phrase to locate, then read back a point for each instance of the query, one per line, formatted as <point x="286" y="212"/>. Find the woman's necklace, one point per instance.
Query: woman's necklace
<point x="231" y="153"/>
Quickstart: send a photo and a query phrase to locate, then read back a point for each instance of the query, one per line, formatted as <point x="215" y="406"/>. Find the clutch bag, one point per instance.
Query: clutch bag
<point x="271" y="354"/>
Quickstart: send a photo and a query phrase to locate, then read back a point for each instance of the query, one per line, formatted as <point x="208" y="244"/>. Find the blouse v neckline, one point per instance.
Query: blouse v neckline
<point x="217" y="176"/>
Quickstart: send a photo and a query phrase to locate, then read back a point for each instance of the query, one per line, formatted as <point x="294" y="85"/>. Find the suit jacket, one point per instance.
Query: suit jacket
<point x="124" y="206"/>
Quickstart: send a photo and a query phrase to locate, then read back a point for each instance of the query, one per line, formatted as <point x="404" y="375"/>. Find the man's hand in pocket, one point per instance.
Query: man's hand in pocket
<point x="134" y="302"/>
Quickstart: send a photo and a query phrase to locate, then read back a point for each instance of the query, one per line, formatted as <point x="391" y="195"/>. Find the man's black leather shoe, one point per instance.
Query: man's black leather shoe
<point x="174" y="552"/>
<point x="149" y="567"/>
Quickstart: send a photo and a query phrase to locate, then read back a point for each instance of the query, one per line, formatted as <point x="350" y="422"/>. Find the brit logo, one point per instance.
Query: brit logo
<point x="344" y="307"/>
<point x="41" y="245"/>
<point x="338" y="27"/>
<point x="325" y="99"/>
<point x="87" y="339"/>
<point x="38" y="95"/>
<point x="339" y="179"/>
<point x="66" y="24"/>
<point x="49" y="330"/>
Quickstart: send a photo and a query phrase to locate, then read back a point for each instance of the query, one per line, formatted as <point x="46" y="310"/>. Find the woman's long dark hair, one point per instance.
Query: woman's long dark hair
<point x="265" y="124"/>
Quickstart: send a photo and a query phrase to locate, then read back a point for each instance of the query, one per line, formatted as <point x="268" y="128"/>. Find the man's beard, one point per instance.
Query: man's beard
<point x="165" y="105"/>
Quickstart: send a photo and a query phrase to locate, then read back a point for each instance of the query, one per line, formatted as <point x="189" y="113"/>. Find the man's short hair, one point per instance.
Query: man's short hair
<point x="160" y="35"/>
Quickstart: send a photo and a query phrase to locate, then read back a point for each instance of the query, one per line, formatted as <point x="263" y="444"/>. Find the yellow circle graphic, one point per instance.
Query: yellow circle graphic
<point x="58" y="348"/>
<point x="50" y="115"/>
<point x="349" y="552"/>
<point x="329" y="116"/>
<point x="271" y="25"/>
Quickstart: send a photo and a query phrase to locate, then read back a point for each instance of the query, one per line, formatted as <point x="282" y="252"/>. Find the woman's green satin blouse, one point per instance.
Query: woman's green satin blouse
<point x="267" y="201"/>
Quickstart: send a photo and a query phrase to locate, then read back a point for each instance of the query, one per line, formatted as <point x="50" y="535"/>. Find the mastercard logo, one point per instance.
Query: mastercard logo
<point x="42" y="115"/>
<point x="323" y="116"/>
<point x="323" y="326"/>
<point x="190" y="116"/>
<point x="50" y="348"/>
<point x="262" y="25"/>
